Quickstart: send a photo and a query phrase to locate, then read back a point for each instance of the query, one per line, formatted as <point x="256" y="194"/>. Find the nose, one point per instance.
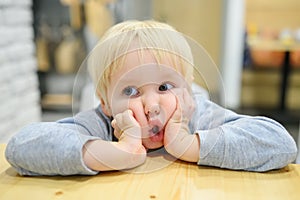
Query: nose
<point x="151" y="104"/>
<point x="152" y="110"/>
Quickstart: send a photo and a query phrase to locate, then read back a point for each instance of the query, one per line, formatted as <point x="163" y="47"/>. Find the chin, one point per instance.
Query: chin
<point x="152" y="145"/>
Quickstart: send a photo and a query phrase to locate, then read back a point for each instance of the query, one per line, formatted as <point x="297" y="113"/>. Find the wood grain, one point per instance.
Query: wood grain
<point x="177" y="180"/>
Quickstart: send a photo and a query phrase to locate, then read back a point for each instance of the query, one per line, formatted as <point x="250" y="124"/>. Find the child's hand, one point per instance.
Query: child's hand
<point x="129" y="133"/>
<point x="178" y="140"/>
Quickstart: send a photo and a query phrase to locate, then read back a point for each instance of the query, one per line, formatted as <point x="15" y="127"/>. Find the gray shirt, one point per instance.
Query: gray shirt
<point x="227" y="140"/>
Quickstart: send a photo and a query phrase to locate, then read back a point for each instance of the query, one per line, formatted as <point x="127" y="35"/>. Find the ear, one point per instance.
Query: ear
<point x="105" y="108"/>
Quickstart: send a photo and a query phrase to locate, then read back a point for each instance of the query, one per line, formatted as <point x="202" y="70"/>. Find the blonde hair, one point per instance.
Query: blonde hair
<point x="159" y="38"/>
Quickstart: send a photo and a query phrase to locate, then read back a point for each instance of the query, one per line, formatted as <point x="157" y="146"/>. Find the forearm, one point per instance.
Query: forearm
<point x="48" y="148"/>
<point x="185" y="147"/>
<point x="100" y="155"/>
<point x="257" y="146"/>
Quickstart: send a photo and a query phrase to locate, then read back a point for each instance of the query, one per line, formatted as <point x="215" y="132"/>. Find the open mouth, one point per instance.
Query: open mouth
<point x="156" y="134"/>
<point x="155" y="129"/>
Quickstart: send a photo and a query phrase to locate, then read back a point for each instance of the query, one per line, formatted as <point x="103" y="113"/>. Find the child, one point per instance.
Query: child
<point x="143" y="75"/>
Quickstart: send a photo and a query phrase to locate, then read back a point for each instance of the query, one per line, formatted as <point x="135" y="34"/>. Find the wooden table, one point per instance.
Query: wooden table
<point x="177" y="180"/>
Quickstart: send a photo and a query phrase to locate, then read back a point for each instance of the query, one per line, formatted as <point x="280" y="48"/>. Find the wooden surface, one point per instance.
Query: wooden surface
<point x="176" y="180"/>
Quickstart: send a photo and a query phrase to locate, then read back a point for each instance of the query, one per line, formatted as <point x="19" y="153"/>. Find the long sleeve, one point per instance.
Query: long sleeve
<point x="227" y="140"/>
<point x="55" y="148"/>
<point x="233" y="141"/>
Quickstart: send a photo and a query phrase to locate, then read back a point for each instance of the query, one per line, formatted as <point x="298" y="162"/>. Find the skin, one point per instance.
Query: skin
<point x="151" y="107"/>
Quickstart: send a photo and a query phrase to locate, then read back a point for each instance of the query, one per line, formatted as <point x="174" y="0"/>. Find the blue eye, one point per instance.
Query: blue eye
<point x="130" y="91"/>
<point x="165" y="87"/>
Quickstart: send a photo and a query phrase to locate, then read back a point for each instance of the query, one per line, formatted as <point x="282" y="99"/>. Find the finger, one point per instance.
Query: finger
<point x="126" y="125"/>
<point x="128" y="118"/>
<point x="117" y="123"/>
<point x="189" y="103"/>
<point x="117" y="131"/>
<point x="117" y="134"/>
<point x="185" y="95"/>
<point x="176" y="117"/>
<point x="184" y="106"/>
<point x="121" y="121"/>
<point x="178" y="92"/>
<point x="113" y="124"/>
<point x="118" y="119"/>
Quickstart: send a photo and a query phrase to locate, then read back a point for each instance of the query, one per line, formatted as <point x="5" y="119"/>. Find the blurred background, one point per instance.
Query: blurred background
<point x="254" y="43"/>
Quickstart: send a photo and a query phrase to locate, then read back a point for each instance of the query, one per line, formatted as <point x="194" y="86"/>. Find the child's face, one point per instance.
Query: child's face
<point x="148" y="90"/>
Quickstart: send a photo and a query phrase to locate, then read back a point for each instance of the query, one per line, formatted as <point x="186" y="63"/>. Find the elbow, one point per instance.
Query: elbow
<point x="289" y="150"/>
<point x="278" y="159"/>
<point x="275" y="162"/>
<point x="10" y="157"/>
<point x="262" y="158"/>
<point x="10" y="151"/>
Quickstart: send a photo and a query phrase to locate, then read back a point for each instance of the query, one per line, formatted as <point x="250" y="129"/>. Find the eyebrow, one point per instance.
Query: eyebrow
<point x="158" y="78"/>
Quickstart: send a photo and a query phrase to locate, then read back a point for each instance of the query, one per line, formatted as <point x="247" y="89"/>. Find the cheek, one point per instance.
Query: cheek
<point x="168" y="104"/>
<point x="134" y="105"/>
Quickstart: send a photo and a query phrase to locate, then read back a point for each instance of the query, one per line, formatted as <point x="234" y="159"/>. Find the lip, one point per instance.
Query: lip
<point x="159" y="135"/>
<point x="155" y="123"/>
<point x="151" y="133"/>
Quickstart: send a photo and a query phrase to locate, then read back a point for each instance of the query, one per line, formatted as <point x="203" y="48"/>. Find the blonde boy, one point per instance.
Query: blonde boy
<point x="143" y="75"/>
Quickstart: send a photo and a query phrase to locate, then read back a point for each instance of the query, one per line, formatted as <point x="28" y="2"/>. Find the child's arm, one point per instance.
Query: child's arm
<point x="178" y="140"/>
<point x="127" y="153"/>
<point x="57" y="148"/>
<point x="233" y="141"/>
<point x="49" y="148"/>
<point x="100" y="155"/>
